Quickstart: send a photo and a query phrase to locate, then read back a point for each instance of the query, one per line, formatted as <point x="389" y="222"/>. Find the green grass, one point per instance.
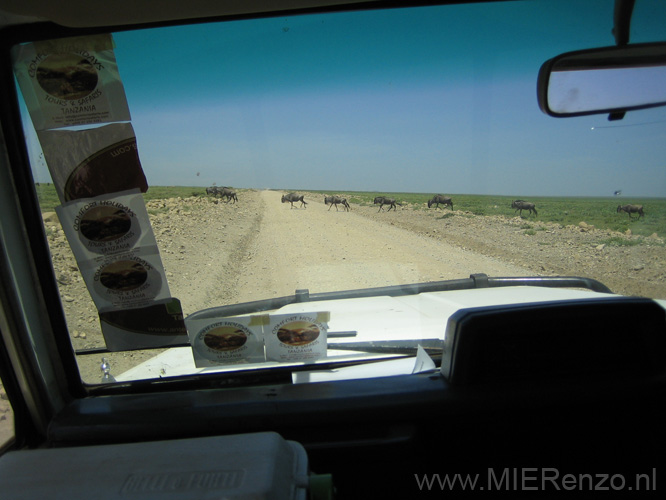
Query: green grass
<point x="48" y="199"/>
<point x="161" y="192"/>
<point x="598" y="212"/>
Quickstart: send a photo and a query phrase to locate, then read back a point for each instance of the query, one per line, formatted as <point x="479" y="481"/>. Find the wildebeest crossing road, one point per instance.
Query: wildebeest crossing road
<point x="324" y="250"/>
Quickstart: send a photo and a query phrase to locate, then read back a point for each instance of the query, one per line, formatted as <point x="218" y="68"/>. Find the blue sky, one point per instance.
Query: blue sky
<point x="429" y="100"/>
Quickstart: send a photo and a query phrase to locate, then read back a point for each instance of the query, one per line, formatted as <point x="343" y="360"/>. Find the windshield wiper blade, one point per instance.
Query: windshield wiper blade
<point x="405" y="347"/>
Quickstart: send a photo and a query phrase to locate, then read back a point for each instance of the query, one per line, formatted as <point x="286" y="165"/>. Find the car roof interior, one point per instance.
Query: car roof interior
<point x="83" y="14"/>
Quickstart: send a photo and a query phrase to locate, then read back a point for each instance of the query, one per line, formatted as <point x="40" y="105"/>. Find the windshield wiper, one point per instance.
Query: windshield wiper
<point x="433" y="347"/>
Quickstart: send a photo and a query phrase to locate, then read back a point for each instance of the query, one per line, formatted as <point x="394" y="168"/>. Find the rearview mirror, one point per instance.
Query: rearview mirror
<point x="607" y="80"/>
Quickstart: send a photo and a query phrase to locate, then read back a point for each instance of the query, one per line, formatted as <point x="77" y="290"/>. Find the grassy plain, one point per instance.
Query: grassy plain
<point x="599" y="212"/>
<point x="565" y="211"/>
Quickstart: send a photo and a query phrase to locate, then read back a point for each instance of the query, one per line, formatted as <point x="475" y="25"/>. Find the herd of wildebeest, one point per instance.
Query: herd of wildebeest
<point x="223" y="192"/>
<point x="435" y="201"/>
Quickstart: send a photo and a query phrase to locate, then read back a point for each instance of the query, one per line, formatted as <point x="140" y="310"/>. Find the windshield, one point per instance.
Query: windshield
<point x="308" y="152"/>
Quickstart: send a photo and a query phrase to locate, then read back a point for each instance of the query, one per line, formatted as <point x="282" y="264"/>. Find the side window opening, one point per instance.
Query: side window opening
<point x="6" y="417"/>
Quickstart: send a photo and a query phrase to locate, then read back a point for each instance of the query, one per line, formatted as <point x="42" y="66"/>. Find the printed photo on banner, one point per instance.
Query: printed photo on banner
<point x="71" y="81"/>
<point x="127" y="280"/>
<point x="225" y="341"/>
<point x="296" y="337"/>
<point x="106" y="225"/>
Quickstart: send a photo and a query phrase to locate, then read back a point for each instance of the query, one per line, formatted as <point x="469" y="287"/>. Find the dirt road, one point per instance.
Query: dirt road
<point x="322" y="249"/>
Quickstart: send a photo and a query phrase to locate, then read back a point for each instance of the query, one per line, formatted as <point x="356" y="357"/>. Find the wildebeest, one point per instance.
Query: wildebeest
<point x="223" y="192"/>
<point x="292" y="198"/>
<point x="440" y="199"/>
<point x="631" y="209"/>
<point x="523" y="205"/>
<point x="383" y="200"/>
<point x="336" y="200"/>
<point x="229" y="193"/>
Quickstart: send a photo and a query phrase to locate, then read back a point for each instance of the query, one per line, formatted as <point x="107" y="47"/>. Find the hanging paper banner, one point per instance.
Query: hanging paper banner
<point x="71" y="81"/>
<point x="93" y="162"/>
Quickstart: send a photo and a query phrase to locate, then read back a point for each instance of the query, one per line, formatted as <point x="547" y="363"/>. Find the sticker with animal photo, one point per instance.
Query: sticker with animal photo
<point x="106" y="225"/>
<point x="71" y="81"/>
<point x="126" y="280"/>
<point x="93" y="162"/>
<point x="296" y="337"/>
<point x="224" y="341"/>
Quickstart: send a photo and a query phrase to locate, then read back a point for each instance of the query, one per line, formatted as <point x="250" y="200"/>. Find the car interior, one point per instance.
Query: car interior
<point x="553" y="395"/>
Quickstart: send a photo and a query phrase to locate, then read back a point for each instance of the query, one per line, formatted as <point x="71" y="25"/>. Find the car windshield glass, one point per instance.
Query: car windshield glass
<point x="250" y="159"/>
